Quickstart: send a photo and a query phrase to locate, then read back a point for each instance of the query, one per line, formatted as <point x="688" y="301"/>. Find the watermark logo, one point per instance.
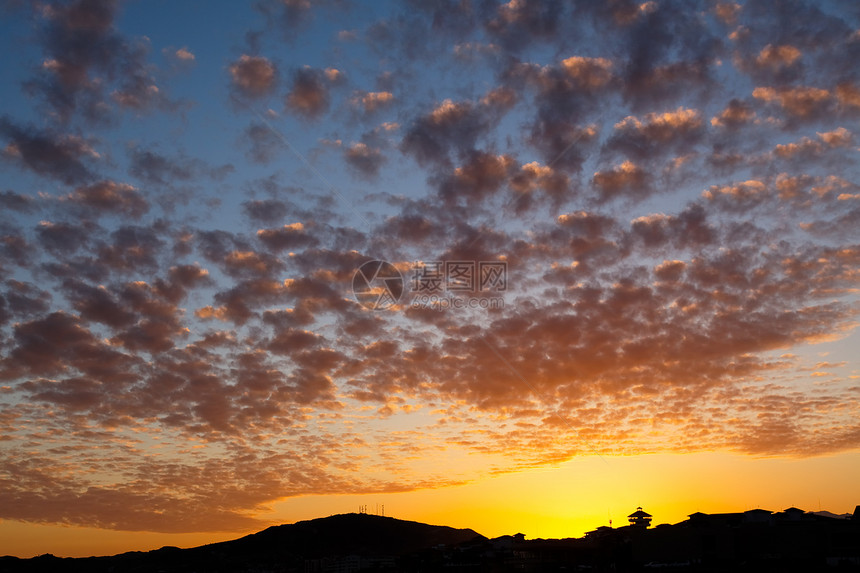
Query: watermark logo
<point x="433" y="277"/>
<point x="449" y="301"/>
<point x="377" y="285"/>
<point x="437" y="285"/>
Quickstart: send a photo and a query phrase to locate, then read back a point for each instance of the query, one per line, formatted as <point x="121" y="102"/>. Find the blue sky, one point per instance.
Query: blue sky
<point x="188" y="190"/>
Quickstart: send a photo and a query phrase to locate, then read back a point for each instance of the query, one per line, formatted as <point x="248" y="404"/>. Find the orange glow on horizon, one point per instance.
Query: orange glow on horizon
<point x="552" y="502"/>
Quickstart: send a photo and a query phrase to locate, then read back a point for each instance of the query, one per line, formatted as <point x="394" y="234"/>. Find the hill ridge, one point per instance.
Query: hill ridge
<point x="755" y="540"/>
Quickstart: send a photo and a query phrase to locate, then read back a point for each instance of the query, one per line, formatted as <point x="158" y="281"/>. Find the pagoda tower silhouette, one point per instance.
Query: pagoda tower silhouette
<point x="639" y="518"/>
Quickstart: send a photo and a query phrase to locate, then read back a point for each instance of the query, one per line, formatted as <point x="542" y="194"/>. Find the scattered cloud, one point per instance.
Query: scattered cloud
<point x="367" y="161"/>
<point x="309" y="91"/>
<point x="673" y="189"/>
<point x="56" y="155"/>
<point x="253" y="76"/>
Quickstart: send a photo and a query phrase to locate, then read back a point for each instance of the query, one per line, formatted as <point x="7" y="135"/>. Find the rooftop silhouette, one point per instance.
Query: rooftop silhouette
<point x="755" y="540"/>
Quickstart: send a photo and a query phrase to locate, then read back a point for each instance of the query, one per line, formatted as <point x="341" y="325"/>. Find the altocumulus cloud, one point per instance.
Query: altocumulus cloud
<point x="672" y="186"/>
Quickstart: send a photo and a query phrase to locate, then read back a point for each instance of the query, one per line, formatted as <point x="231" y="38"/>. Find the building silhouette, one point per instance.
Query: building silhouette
<point x="639" y="518"/>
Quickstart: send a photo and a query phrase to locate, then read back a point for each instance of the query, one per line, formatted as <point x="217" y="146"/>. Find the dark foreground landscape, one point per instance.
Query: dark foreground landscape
<point x="756" y="540"/>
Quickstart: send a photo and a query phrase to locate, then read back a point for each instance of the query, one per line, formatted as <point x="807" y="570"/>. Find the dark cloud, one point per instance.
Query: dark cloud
<point x="132" y="248"/>
<point x="250" y="263"/>
<point x="562" y="144"/>
<point x="110" y="197"/>
<point x="807" y="149"/>
<point x="449" y="16"/>
<point x="158" y="326"/>
<point x="97" y="304"/>
<point x="216" y="245"/>
<point x="577" y="77"/>
<point x="240" y="302"/>
<point x="800" y="103"/>
<point x="533" y="179"/>
<point x="79" y="39"/>
<point x="46" y="153"/>
<point x="40" y="497"/>
<point x="566" y="92"/>
<point x="848" y="95"/>
<point x="626" y="179"/>
<point x="656" y="134"/>
<point x="181" y="279"/>
<point x="12" y="201"/>
<point x="806" y="26"/>
<point x="409" y="33"/>
<point x="286" y="16"/>
<point x="365" y="160"/>
<point x="292" y="236"/>
<point x="265" y="144"/>
<point x="482" y="174"/>
<point x="266" y="210"/>
<point x="63" y="238"/>
<point x="23" y="300"/>
<point x="15" y="250"/>
<point x="138" y="91"/>
<point x="779" y="64"/>
<point x="658" y="34"/>
<point x="835" y="227"/>
<point x="740" y="197"/>
<point x="736" y="114"/>
<point x="452" y="127"/>
<point x="58" y="343"/>
<point x="309" y="91"/>
<point x="153" y="167"/>
<point x="689" y="229"/>
<point x="515" y="24"/>
<point x="88" y="63"/>
<point x="727" y="12"/>
<point x="291" y="341"/>
<point x="411" y="228"/>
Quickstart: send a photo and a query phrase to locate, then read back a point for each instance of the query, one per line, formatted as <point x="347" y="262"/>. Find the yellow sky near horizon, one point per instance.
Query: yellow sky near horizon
<point x="552" y="502"/>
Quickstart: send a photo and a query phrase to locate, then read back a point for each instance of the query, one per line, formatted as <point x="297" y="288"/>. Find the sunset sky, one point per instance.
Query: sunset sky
<point x="671" y="190"/>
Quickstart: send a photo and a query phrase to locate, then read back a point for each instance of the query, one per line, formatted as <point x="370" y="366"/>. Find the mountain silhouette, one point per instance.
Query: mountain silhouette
<point x="750" y="541"/>
<point x="336" y="542"/>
